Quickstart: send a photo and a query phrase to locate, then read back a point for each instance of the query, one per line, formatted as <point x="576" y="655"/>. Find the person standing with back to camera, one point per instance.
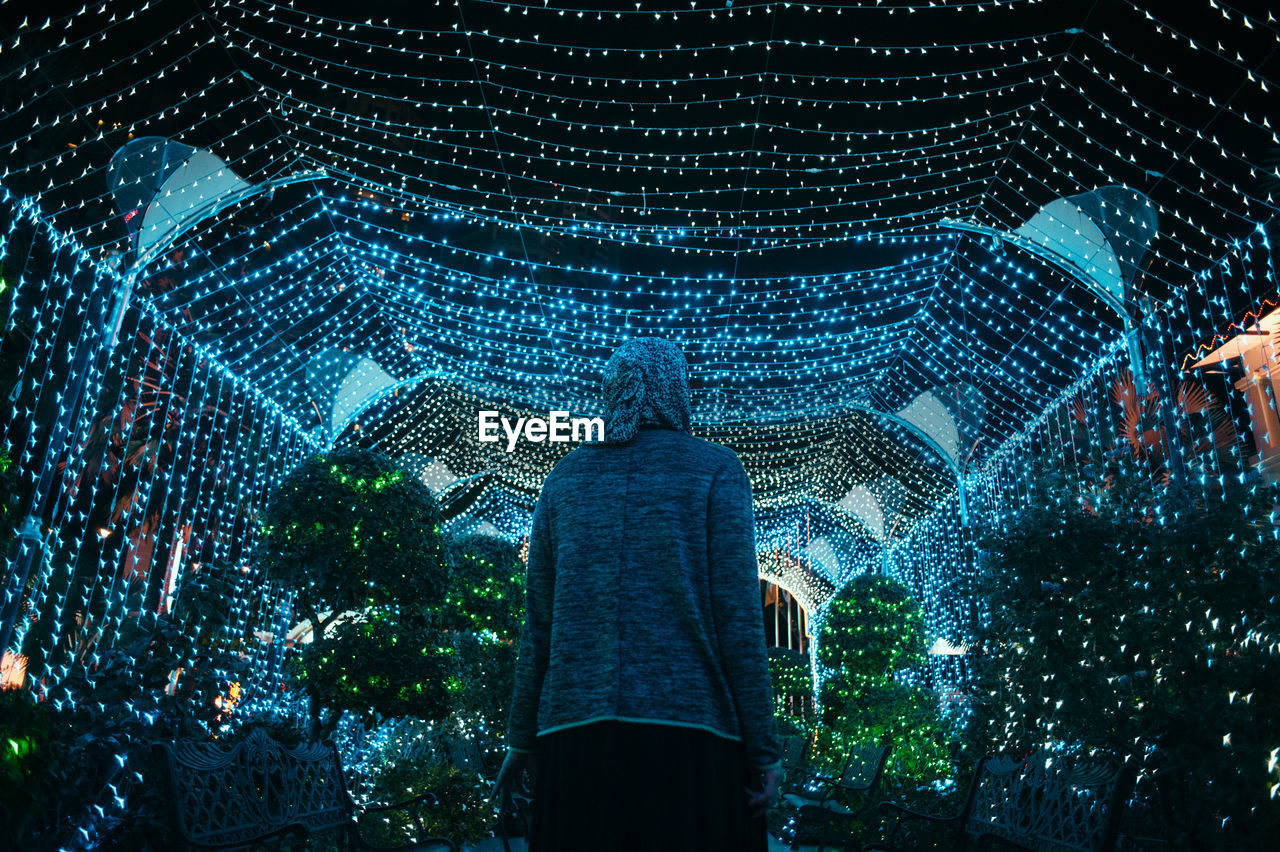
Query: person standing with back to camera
<point x="642" y="703"/>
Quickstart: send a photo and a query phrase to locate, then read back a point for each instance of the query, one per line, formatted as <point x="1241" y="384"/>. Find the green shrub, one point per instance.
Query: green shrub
<point x="358" y="541"/>
<point x="484" y="614"/>
<point x="792" y="678"/>
<point x="464" y="813"/>
<point x="873" y="637"/>
<point x="1140" y="619"/>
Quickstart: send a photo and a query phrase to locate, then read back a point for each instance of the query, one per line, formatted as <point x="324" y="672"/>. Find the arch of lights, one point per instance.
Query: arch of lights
<point x="472" y="208"/>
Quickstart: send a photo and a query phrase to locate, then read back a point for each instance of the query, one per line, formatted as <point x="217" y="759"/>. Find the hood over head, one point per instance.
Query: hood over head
<point x="646" y="383"/>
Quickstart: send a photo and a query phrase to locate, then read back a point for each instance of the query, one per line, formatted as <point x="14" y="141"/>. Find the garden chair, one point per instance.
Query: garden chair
<point x="1038" y="802"/>
<point x="465" y="753"/>
<point x="819" y="809"/>
<point x="261" y="794"/>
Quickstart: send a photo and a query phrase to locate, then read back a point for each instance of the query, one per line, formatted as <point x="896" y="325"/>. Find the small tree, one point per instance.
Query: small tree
<point x="486" y="588"/>
<point x="872" y="638"/>
<point x="358" y="539"/>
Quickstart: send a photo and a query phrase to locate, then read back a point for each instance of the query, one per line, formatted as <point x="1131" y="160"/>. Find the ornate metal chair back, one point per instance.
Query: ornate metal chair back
<point x="793" y="751"/>
<point x="863" y="768"/>
<point x="464" y="753"/>
<point x="223" y="796"/>
<point x="1047" y="805"/>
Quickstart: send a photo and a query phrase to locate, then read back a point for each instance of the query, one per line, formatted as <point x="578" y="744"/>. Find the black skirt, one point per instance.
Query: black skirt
<point x="631" y="787"/>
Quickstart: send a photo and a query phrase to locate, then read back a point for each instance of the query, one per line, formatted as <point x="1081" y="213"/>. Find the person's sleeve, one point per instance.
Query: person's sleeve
<point x="535" y="641"/>
<point x="735" y="605"/>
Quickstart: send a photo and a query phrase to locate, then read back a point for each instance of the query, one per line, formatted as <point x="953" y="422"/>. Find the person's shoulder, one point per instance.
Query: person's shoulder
<point x="703" y="454"/>
<point x="721" y="453"/>
<point x="709" y="449"/>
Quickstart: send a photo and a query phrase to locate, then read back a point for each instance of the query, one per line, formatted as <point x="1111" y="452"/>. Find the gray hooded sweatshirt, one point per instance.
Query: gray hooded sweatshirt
<point x="643" y="601"/>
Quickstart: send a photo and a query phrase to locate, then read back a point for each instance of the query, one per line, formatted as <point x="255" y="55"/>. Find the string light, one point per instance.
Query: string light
<point x="808" y="197"/>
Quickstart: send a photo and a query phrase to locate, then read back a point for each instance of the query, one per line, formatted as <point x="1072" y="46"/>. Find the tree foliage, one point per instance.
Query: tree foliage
<point x="1142" y="620"/>
<point x="872" y="638"/>
<point x="486" y="587"/>
<point x="358" y="540"/>
<point x="792" y="679"/>
<point x="485" y="616"/>
<point x="376" y="664"/>
<point x="351" y="529"/>
<point x="873" y="628"/>
<point x="466" y="811"/>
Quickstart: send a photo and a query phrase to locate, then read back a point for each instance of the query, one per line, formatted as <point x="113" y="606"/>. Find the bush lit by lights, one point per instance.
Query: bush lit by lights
<point x="792" y="678"/>
<point x="358" y="540"/>
<point x="872" y="642"/>
<point x="1138" y="619"/>
<point x="484" y="615"/>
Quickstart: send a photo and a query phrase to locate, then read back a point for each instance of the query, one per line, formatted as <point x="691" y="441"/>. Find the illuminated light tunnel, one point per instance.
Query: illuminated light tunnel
<point x="910" y="250"/>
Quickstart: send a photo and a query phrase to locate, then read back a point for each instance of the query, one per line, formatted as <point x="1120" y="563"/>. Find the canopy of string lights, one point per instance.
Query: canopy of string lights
<point x="942" y="270"/>
<point x="888" y="236"/>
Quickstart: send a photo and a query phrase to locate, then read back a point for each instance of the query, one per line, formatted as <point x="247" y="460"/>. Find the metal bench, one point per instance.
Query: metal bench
<point x="260" y="794"/>
<point x="1040" y="803"/>
<point x="820" y="812"/>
